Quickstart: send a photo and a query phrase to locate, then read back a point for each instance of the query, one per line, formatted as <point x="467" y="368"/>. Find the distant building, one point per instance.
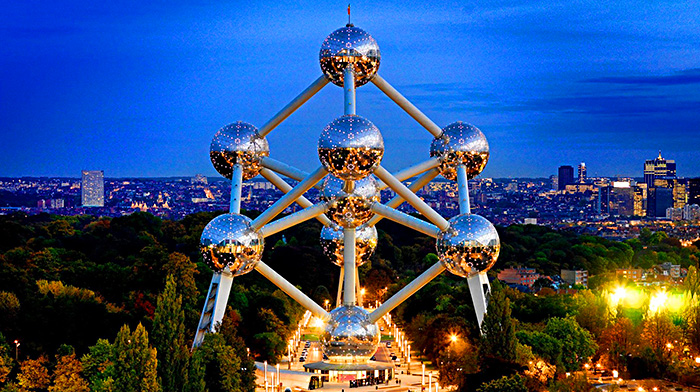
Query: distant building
<point x="530" y="221"/>
<point x="633" y="274"/>
<point x="675" y="214"/>
<point x="566" y="177"/>
<point x="694" y="191"/>
<point x="691" y="212"/>
<point x="575" y="277"/>
<point x="199" y="179"/>
<point x="555" y="182"/>
<point x="659" y="200"/>
<point x="520" y="275"/>
<point x="622" y="199"/>
<point x="93" y="188"/>
<point x="57" y="203"/>
<point x="672" y="271"/>
<point x="582" y="172"/>
<point x="658" y="168"/>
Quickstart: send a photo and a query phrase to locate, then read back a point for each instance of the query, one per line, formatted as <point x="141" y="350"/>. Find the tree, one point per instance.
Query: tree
<point x="498" y="330"/>
<point x="67" y="377"/>
<point x="195" y="379"/>
<point x="577" y="343"/>
<point x="543" y="345"/>
<point x="693" y="331"/>
<point x="169" y="338"/>
<point x="33" y="374"/>
<point x="659" y="331"/>
<point x="98" y="366"/>
<point x="229" y="330"/>
<point x="135" y="362"/>
<point x="513" y="383"/>
<point x="184" y="272"/>
<point x="618" y="341"/>
<point x="222" y="365"/>
<point x="5" y="360"/>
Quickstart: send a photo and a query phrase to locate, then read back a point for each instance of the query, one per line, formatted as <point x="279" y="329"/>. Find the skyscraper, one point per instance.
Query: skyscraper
<point x="582" y="172"/>
<point x="566" y="176"/>
<point x="694" y="191"/>
<point x="658" y="169"/>
<point x="93" y="188"/>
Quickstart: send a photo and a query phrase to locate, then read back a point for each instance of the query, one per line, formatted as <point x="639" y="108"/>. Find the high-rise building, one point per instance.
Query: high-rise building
<point x="582" y="172"/>
<point x="659" y="200"/>
<point x="694" y="191"/>
<point x="93" y="188"/>
<point x="566" y="177"/>
<point x="658" y="169"/>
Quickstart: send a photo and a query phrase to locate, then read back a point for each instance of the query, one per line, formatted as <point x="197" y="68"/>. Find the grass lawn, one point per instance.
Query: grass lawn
<point x="310" y="337"/>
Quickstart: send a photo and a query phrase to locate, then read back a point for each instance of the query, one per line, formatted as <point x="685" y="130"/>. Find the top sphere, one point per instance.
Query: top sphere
<point x="238" y="143"/>
<point x="460" y="144"/>
<point x="349" y="46"/>
<point x="469" y="246"/>
<point x="350" y="147"/>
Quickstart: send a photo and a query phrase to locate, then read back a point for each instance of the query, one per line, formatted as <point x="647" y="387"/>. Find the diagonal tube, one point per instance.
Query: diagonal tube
<point x="293" y="219"/>
<point x="411" y="198"/>
<point x="415" y="186"/>
<point x="413" y="171"/>
<point x="284" y="187"/>
<point x="286" y="170"/>
<point x="407" y="291"/>
<point x="288" y="198"/>
<point x="406" y="105"/>
<point x="405" y="219"/>
<point x="291" y="290"/>
<point x="296" y="103"/>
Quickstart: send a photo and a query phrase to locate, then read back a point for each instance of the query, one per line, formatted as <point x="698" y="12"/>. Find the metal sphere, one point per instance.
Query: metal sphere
<point x="460" y="144"/>
<point x="349" y="336"/>
<point x="228" y="241"/>
<point x="350" y="147"/>
<point x="469" y="246"/>
<point x="350" y="207"/>
<point x="239" y="143"/>
<point x="332" y="242"/>
<point x="349" y="46"/>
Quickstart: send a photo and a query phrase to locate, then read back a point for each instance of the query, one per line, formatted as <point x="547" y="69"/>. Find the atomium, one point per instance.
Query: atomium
<point x="229" y="242"/>
<point x="470" y="245"/>
<point x="350" y="207"/>
<point x="333" y="245"/>
<point x="350" y="147"/>
<point x="349" y="335"/>
<point x="349" y="46"/>
<point x="238" y="143"/>
<point x="460" y="144"/>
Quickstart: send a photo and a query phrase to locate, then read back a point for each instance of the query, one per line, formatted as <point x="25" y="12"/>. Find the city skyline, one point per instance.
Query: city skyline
<point x="137" y="90"/>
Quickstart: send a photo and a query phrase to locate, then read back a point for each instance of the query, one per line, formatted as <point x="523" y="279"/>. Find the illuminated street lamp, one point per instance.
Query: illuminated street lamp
<point x="453" y="338"/>
<point x="278" y="384"/>
<point x="16" y="349"/>
<point x="697" y="360"/>
<point x="615" y="373"/>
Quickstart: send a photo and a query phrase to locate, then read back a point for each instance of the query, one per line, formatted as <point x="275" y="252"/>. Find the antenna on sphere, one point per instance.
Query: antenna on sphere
<point x="349" y="23"/>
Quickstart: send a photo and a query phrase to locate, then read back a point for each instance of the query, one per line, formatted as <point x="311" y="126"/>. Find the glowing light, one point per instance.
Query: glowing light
<point x="615" y="373"/>
<point x="669" y="346"/>
<point x="618" y="295"/>
<point x="658" y="301"/>
<point x="453" y="338"/>
<point x="697" y="360"/>
<point x="316" y="323"/>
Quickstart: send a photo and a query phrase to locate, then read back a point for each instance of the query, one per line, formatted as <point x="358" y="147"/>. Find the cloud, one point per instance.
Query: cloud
<point x="688" y="76"/>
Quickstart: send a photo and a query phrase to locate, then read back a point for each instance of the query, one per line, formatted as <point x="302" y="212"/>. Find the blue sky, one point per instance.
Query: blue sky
<point x="139" y="88"/>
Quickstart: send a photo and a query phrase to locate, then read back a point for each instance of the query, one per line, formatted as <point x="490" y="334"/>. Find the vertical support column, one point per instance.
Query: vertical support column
<point x="358" y="289"/>
<point x="349" y="265"/>
<point x="480" y="290"/>
<point x="236" y="188"/>
<point x="463" y="188"/>
<point x="221" y="282"/>
<point x="349" y="89"/>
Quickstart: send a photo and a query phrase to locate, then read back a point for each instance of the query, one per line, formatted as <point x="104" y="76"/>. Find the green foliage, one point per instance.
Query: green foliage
<point x="543" y="345"/>
<point x="135" y="362"/>
<point x="169" y="338"/>
<point x="498" y="329"/>
<point x="578" y="344"/>
<point x="98" y="366"/>
<point x="222" y="365"/>
<point x="6" y="361"/>
<point x="504" y="384"/>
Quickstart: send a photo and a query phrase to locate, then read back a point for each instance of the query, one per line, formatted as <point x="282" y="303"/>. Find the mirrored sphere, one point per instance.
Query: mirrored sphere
<point x="332" y="242"/>
<point x="349" y="46"/>
<point x="349" y="336"/>
<point x="240" y="143"/>
<point x="350" y="147"/>
<point x="460" y="144"/>
<point x="229" y="241"/>
<point x="469" y="246"/>
<point x="350" y="207"/>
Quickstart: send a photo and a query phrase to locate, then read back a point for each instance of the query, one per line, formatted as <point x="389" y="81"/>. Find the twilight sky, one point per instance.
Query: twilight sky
<point x="138" y="88"/>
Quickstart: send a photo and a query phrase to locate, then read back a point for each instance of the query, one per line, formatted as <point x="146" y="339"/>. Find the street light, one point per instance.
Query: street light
<point x="16" y="349"/>
<point x="453" y="338"/>
<point x="697" y="360"/>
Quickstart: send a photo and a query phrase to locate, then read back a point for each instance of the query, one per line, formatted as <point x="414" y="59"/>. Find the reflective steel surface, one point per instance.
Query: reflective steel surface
<point x="332" y="242"/>
<point x="350" y="208"/>
<point x="228" y="241"/>
<point x="471" y="245"/>
<point x="460" y="143"/>
<point x="349" y="336"/>
<point x="349" y="46"/>
<point x="238" y="143"/>
<point x="350" y="147"/>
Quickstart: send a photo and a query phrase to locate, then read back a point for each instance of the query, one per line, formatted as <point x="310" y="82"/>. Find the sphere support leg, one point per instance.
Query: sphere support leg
<point x="349" y="265"/>
<point x="349" y="90"/>
<point x="214" y="305"/>
<point x="339" y="296"/>
<point x="407" y="291"/>
<point x="480" y="290"/>
<point x="236" y="188"/>
<point x="463" y="188"/>
<point x="358" y="289"/>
